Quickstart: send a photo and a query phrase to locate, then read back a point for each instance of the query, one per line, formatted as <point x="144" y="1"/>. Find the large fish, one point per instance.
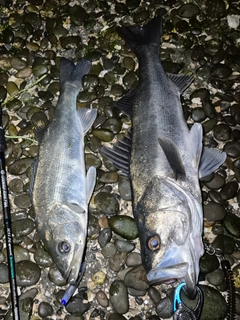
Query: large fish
<point x="165" y="165"/>
<point x="60" y="187"/>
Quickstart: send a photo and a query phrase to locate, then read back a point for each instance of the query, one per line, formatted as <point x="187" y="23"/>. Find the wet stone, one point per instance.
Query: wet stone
<point x="115" y="316"/>
<point x="12" y="88"/>
<point x="222" y="132"/>
<point x="27" y="273"/>
<point x="208" y="125"/>
<point x="235" y="135"/>
<point x="232" y="149"/>
<point x="229" y="190"/>
<point x="216" y="183"/>
<point x="154" y="295"/>
<point x="136" y="278"/>
<point x="225" y="243"/>
<point x="102" y="299"/>
<point x="109" y="250"/>
<point x="117" y="90"/>
<point x="130" y="80"/>
<point x="118" y="296"/>
<point x="214" y="211"/>
<point x="124" y="188"/>
<point x="129" y="63"/>
<point x="124" y="226"/>
<point x="215" y="197"/>
<point x="109" y="177"/>
<point x="188" y="10"/>
<point x="164" y="308"/>
<point x="221" y="71"/>
<point x="141" y="16"/>
<point x="232" y="224"/>
<point x="20" y="253"/>
<point x="216" y="277"/>
<point x="99" y="278"/>
<point x="4" y="274"/>
<point x="215" y="9"/>
<point x="22" y="201"/>
<point x="24" y="73"/>
<point x="55" y="276"/>
<point x="42" y="258"/>
<point x="209" y="110"/>
<point x="104" y="237"/>
<point x="208" y="263"/>
<point x="103" y="134"/>
<point x="77" y="304"/>
<point x="198" y="114"/>
<point x="45" y="309"/>
<point x="124" y="246"/>
<point x="23" y="227"/>
<point x="117" y="262"/>
<point x="113" y="124"/>
<point x="134" y="259"/>
<point x="92" y="161"/>
<point x="70" y="42"/>
<point x="106" y="203"/>
<point x="39" y="70"/>
<point x="16" y="185"/>
<point x="201" y="93"/>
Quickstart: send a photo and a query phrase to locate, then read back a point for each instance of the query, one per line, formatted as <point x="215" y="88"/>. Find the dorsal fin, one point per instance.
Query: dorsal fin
<point x="181" y="81"/>
<point x="119" y="154"/>
<point x="125" y="104"/>
<point x="173" y="156"/>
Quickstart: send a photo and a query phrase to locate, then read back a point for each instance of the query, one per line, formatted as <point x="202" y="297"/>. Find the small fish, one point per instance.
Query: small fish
<point x="166" y="161"/>
<point x="60" y="187"/>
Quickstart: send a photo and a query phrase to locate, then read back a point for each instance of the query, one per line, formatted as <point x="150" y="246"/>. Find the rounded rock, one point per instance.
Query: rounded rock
<point x="124" y="226"/>
<point x="229" y="190"/>
<point x="27" y="273"/>
<point x="188" y="10"/>
<point x="102" y="299"/>
<point x="214" y="211"/>
<point x="45" y="309"/>
<point x="104" y="237"/>
<point x="222" y="132"/>
<point x="106" y="203"/>
<point x="119" y="296"/>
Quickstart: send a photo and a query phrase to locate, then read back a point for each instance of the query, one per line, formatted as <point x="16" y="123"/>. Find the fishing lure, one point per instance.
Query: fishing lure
<point x="183" y="312"/>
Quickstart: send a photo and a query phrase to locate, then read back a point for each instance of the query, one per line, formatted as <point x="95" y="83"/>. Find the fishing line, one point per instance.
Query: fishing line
<point x="7" y="225"/>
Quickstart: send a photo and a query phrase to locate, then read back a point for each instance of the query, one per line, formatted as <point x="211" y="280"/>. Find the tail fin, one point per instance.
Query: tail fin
<point x="137" y="37"/>
<point x="72" y="74"/>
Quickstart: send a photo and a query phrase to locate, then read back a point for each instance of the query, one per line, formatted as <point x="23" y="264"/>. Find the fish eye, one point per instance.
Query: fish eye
<point x="64" y="247"/>
<point x="154" y="243"/>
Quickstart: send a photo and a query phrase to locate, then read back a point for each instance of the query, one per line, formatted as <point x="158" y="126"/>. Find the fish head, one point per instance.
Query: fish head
<point x="65" y="239"/>
<point x="170" y="234"/>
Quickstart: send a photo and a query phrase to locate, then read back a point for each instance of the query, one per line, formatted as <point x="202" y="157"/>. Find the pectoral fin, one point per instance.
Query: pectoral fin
<point x="32" y="176"/>
<point x="173" y="156"/>
<point x="90" y="182"/>
<point x="119" y="154"/>
<point x="211" y="159"/>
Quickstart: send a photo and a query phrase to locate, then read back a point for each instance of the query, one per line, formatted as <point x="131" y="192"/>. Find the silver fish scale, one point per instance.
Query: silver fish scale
<point x="157" y="101"/>
<point x="60" y="157"/>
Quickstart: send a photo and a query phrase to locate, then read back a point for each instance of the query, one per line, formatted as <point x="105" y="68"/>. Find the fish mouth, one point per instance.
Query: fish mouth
<point x="173" y="267"/>
<point x="173" y="273"/>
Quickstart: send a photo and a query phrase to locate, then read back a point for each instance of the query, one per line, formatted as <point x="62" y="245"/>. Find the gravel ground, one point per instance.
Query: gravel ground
<point x="201" y="37"/>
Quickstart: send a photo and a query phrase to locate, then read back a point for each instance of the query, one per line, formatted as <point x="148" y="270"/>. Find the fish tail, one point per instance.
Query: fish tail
<point x="72" y="74"/>
<point x="139" y="37"/>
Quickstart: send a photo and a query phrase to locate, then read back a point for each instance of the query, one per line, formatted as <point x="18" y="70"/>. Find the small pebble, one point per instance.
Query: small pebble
<point x="119" y="297"/>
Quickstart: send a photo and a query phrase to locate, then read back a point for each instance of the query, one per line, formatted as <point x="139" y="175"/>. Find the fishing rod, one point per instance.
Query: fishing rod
<point x="7" y="224"/>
